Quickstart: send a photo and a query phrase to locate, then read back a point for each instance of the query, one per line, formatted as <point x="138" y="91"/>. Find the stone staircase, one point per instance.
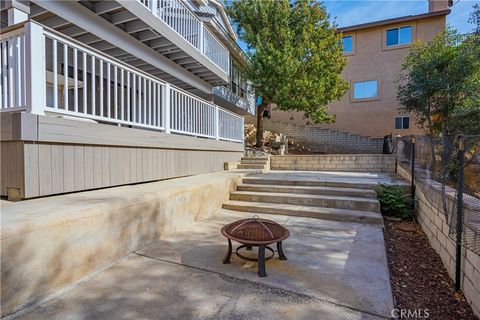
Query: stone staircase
<point x="333" y="200"/>
<point x="262" y="163"/>
<point x="324" y="140"/>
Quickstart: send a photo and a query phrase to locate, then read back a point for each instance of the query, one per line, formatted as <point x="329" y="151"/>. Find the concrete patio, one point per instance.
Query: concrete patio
<point x="335" y="270"/>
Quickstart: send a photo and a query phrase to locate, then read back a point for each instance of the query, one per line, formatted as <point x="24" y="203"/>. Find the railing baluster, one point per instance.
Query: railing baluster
<point x="115" y="92"/>
<point x="65" y="76"/>
<point x="128" y="97"/>
<point x="109" y="91"/>
<point x="18" y="65"/>
<point x="55" y="80"/>
<point x="150" y="107"/>
<point x="75" y="80"/>
<point x="100" y="66"/>
<point x="85" y="87"/>
<point x="134" y="97"/>
<point x="144" y="105"/>
<point x="122" y="94"/>
<point x="93" y="86"/>
<point x="5" y="73"/>
<point x="154" y="105"/>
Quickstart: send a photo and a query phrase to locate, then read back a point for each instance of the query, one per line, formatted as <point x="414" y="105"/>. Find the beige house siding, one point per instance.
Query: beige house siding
<point x="69" y="155"/>
<point x="371" y="60"/>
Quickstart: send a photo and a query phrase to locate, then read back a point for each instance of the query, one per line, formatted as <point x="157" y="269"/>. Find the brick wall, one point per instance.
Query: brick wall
<point x="326" y="140"/>
<point x="432" y="219"/>
<point x="335" y="162"/>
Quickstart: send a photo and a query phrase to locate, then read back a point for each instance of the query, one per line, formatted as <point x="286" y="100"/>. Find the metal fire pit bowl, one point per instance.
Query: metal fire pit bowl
<point x="255" y="232"/>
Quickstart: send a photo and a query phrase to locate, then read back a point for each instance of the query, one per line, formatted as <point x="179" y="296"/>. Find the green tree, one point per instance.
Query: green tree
<point x="440" y="81"/>
<point x="295" y="53"/>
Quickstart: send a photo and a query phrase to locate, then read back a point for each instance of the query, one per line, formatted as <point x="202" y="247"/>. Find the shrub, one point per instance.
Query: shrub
<point x="394" y="202"/>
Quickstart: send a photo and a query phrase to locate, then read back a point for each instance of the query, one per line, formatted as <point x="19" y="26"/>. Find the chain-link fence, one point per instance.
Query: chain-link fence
<point x="451" y="164"/>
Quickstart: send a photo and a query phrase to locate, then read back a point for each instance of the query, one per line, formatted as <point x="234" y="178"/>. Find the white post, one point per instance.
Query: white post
<point x="17" y="12"/>
<point x="166" y="107"/>
<point x="217" y="123"/>
<point x="200" y="43"/>
<point x="35" y="67"/>
<point x="154" y="7"/>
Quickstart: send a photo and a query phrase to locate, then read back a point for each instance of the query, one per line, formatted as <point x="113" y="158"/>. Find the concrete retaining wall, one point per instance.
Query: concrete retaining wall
<point x="335" y="162"/>
<point x="49" y="243"/>
<point x="432" y="219"/>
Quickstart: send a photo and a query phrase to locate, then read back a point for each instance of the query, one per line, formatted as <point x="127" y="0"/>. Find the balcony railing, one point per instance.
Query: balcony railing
<point x="181" y="19"/>
<point x="43" y="72"/>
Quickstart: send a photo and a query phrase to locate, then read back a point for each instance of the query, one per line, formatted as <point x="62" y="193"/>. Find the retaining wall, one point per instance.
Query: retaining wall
<point x="430" y="215"/>
<point x="335" y="162"/>
<point x="49" y="243"/>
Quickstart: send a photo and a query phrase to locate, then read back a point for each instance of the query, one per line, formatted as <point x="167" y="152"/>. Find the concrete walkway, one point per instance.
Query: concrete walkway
<point x="335" y="270"/>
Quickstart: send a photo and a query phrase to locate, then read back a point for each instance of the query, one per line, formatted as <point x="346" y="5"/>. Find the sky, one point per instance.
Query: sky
<point x="352" y="12"/>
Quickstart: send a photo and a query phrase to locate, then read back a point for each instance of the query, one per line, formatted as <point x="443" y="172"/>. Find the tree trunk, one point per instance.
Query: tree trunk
<point x="261" y="108"/>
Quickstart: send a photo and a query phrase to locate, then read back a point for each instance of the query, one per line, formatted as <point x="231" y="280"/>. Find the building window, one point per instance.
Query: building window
<point x="365" y="89"/>
<point x="238" y="83"/>
<point x="399" y="36"/>
<point x="402" y="123"/>
<point x="347" y="43"/>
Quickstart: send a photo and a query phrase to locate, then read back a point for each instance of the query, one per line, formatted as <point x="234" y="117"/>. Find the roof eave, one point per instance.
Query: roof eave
<point x="393" y="21"/>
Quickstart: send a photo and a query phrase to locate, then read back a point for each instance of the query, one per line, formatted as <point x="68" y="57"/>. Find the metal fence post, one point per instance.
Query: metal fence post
<point x="166" y="107"/>
<point x="412" y="187"/>
<point x="459" y="226"/>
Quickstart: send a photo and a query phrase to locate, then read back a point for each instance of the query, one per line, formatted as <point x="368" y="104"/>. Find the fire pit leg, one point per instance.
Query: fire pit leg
<point x="226" y="260"/>
<point x="280" y="251"/>
<point x="261" y="261"/>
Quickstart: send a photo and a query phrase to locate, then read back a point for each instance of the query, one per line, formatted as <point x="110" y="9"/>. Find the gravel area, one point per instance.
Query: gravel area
<point x="419" y="279"/>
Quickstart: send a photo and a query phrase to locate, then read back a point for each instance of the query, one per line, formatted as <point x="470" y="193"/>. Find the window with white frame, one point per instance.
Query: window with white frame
<point x="365" y="89"/>
<point x="399" y="36"/>
<point x="402" y="123"/>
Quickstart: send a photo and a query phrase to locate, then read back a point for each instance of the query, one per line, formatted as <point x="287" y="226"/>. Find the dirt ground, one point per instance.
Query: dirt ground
<point x="419" y="279"/>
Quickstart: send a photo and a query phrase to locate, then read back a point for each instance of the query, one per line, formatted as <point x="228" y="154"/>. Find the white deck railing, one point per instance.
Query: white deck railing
<point x="44" y="72"/>
<point x="12" y="83"/>
<point x="180" y="18"/>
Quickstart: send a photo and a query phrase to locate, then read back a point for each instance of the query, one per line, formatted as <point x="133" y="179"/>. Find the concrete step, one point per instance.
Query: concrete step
<point x="350" y="203"/>
<point x="312" y="183"/>
<point x="253" y="161"/>
<point x="306" y="211"/>
<point x="255" y="158"/>
<point x="333" y="191"/>
<point x="250" y="166"/>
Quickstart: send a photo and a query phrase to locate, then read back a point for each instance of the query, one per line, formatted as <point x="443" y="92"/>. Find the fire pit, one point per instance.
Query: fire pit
<point x="255" y="232"/>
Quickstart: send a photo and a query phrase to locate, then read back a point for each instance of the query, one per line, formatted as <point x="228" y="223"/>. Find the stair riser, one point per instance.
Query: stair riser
<point x="254" y="162"/>
<point x="310" y="183"/>
<point x="373" y="206"/>
<point x="255" y="158"/>
<point x="307" y="214"/>
<point x="250" y="166"/>
<point x="363" y="194"/>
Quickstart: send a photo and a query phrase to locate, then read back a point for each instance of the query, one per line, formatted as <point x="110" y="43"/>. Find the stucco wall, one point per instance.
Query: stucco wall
<point x="371" y="61"/>
<point x="431" y="217"/>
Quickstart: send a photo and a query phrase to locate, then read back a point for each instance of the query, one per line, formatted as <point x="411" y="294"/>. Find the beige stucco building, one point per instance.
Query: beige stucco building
<point x="375" y="52"/>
